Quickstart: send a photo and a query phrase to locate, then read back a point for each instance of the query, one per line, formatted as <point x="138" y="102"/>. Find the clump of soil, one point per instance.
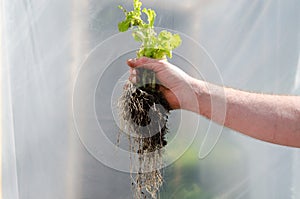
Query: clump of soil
<point x="144" y="114"/>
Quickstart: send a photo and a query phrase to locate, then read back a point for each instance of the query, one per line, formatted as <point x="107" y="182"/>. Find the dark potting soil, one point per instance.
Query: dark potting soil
<point x="147" y="108"/>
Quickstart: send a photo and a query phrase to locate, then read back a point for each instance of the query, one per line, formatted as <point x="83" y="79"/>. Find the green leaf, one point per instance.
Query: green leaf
<point x="175" y="41"/>
<point x="137" y="5"/>
<point x="154" y="46"/>
<point x="151" y="15"/>
<point x="164" y="35"/>
<point x="124" y="25"/>
<point x="122" y="8"/>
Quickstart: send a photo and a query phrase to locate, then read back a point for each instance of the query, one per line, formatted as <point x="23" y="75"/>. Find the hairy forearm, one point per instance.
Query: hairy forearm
<point x="270" y="118"/>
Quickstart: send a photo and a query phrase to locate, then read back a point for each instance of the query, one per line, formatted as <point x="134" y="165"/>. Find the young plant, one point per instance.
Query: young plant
<point x="143" y="108"/>
<point x="153" y="45"/>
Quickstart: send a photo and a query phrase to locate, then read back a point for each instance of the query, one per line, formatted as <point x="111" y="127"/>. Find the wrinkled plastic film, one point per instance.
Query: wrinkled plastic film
<point x="45" y="45"/>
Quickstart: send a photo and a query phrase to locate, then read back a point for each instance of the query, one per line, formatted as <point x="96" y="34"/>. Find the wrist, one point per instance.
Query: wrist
<point x="193" y="95"/>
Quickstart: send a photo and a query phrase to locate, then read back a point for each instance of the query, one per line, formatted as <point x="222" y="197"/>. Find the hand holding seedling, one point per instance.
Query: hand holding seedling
<point x="271" y="118"/>
<point x="174" y="83"/>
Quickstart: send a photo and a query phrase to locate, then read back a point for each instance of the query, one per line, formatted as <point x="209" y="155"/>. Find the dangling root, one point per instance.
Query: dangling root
<point x="144" y="115"/>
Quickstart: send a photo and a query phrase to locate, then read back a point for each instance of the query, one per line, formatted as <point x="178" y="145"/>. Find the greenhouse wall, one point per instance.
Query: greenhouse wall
<point x="63" y="65"/>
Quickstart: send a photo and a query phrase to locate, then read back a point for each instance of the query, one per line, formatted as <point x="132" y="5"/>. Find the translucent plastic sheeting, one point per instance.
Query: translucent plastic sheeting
<point x="254" y="45"/>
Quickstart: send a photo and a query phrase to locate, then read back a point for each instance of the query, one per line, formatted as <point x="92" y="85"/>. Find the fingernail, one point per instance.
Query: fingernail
<point x="133" y="80"/>
<point x="131" y="60"/>
<point x="133" y="71"/>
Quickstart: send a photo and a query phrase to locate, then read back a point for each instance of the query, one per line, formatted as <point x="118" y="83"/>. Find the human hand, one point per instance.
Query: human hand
<point x="176" y="86"/>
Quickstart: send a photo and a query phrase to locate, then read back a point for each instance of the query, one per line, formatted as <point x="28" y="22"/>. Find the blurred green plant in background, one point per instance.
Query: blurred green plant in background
<point x="182" y="179"/>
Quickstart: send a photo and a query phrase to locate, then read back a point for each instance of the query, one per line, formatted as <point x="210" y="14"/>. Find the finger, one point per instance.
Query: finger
<point x="133" y="79"/>
<point x="126" y="86"/>
<point x="132" y="71"/>
<point x="140" y="61"/>
<point x="156" y="67"/>
<point x="170" y="96"/>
